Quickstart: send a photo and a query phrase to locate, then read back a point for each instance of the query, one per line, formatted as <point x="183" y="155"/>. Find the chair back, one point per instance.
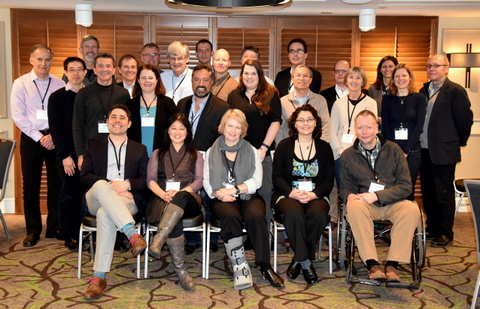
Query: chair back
<point x="473" y="191"/>
<point x="7" y="146"/>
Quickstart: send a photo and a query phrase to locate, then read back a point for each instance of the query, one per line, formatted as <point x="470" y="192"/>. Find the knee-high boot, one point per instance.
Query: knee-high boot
<point x="177" y="252"/>
<point x="242" y="276"/>
<point x="170" y="218"/>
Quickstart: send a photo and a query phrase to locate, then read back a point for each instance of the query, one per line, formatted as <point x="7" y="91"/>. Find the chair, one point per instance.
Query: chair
<point x="212" y="227"/>
<point x="347" y="251"/>
<point x="276" y="227"/>
<point x="460" y="191"/>
<point x="196" y="224"/>
<point x="89" y="225"/>
<point x="7" y="147"/>
<point x="473" y="190"/>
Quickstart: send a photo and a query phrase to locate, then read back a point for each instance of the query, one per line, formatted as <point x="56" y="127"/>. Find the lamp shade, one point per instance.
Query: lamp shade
<point x="464" y="60"/>
<point x="367" y="19"/>
<point x="83" y="15"/>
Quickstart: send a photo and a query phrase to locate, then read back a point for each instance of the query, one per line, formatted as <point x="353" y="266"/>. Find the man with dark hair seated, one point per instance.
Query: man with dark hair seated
<point x="375" y="182"/>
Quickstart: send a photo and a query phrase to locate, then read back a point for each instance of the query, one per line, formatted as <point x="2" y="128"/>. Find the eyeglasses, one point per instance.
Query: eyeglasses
<point x="435" y="66"/>
<point x="308" y="120"/>
<point x="72" y="70"/>
<point x="173" y="59"/>
<point x="298" y="51"/>
<point x="150" y="55"/>
<point x="340" y="71"/>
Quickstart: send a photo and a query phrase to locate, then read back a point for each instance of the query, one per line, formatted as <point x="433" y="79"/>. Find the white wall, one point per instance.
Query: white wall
<point x="470" y="165"/>
<point x="7" y="205"/>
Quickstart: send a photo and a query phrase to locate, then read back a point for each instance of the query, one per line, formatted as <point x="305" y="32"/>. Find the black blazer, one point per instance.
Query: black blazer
<point x="207" y="128"/>
<point x="166" y="108"/>
<point x="94" y="167"/>
<point x="282" y="81"/>
<point x="449" y="123"/>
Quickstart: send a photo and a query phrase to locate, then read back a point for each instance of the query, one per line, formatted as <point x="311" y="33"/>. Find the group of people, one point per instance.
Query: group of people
<point x="164" y="144"/>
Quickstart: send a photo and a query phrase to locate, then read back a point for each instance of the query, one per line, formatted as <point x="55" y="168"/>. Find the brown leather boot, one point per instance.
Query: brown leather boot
<point x="176" y="246"/>
<point x="170" y="218"/>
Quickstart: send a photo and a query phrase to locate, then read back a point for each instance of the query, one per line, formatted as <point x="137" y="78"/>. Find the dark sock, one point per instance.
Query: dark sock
<point x="371" y="263"/>
<point x="391" y="263"/>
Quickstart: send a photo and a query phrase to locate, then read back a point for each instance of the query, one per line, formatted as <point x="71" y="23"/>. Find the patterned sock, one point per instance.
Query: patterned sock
<point x="99" y="274"/>
<point x="129" y="230"/>
<point x="306" y="264"/>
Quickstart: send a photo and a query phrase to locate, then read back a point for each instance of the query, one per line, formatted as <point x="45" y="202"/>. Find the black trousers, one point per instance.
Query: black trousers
<point x="438" y="195"/>
<point x="234" y="216"/>
<point x="190" y="206"/>
<point x="70" y="201"/>
<point x="33" y="154"/>
<point x="304" y="224"/>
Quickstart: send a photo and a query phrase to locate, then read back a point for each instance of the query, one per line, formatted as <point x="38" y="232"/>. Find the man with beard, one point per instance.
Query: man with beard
<point x="89" y="48"/>
<point x="204" y="111"/>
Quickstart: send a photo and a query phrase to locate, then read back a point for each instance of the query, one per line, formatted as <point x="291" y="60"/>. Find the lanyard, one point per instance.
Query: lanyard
<point x="173" y="77"/>
<point x="350" y="116"/>
<point x="148" y="106"/>
<point x="231" y="177"/>
<point x="367" y="157"/>
<point x="104" y="106"/>
<point x="435" y="93"/>
<point x="171" y="162"/>
<point x="223" y="85"/>
<point x="305" y="163"/>
<point x="46" y="91"/>
<point x="193" y="118"/>
<point x="119" y="157"/>
<point x="401" y="113"/>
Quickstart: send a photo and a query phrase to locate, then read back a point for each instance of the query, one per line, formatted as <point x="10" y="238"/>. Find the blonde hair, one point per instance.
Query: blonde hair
<point x="237" y="115"/>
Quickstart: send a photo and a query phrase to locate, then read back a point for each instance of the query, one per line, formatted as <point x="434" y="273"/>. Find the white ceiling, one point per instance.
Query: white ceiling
<point x="443" y="8"/>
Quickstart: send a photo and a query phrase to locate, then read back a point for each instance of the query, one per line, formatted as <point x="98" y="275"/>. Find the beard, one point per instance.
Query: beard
<point x="199" y="94"/>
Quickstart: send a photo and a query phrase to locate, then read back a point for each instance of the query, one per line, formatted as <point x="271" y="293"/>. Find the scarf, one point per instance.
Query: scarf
<point x="244" y="163"/>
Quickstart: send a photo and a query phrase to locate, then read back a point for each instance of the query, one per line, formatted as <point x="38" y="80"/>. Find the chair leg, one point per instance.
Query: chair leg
<point x="275" y="245"/>
<point x="148" y="230"/>
<point x="80" y="246"/>
<point x="475" y="294"/>
<point x="138" y="256"/>
<point x="204" y="251"/>
<point x="207" y="249"/>
<point x="5" y="227"/>
<point x="330" y="254"/>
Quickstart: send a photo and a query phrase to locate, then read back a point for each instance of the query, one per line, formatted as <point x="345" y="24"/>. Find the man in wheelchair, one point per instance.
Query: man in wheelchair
<point x="375" y="182"/>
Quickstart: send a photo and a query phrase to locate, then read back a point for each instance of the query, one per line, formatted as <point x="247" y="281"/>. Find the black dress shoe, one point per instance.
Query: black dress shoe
<point x="310" y="275"/>
<point x="442" y="241"/>
<point x="293" y="269"/>
<point x="72" y="245"/>
<point x="189" y="248"/>
<point x="213" y="247"/>
<point x="31" y="240"/>
<point x="120" y="245"/>
<point x="275" y="280"/>
<point x="55" y="234"/>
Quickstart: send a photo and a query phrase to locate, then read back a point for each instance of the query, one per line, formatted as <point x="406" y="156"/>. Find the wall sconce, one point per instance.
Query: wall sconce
<point x="367" y="20"/>
<point x="465" y="60"/>
<point x="83" y="15"/>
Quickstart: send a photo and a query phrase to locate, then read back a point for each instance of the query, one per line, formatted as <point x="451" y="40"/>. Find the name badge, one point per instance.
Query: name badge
<point x="228" y="186"/>
<point x="172" y="185"/>
<point x="347" y="138"/>
<point x="102" y="127"/>
<point x="42" y="115"/>
<point x="401" y="134"/>
<point x="375" y="186"/>
<point x="305" y="185"/>
<point x="148" y="121"/>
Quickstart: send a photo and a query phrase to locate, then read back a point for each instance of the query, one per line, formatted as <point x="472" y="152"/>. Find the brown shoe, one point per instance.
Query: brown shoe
<point x="138" y="244"/>
<point x="96" y="288"/>
<point x="392" y="274"/>
<point x="376" y="273"/>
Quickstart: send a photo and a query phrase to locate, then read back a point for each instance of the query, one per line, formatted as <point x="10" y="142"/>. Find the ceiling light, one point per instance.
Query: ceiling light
<point x="356" y="1"/>
<point x="367" y="20"/>
<point x="230" y="3"/>
<point x="83" y="14"/>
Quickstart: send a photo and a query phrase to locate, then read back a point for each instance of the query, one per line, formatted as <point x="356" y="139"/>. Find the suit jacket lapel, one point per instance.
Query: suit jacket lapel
<point x="440" y="98"/>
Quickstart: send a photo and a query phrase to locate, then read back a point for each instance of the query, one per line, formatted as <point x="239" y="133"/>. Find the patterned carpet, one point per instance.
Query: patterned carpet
<point x="45" y="277"/>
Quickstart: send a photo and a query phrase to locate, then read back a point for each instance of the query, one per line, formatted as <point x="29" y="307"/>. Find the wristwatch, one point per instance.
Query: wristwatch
<point x="237" y="190"/>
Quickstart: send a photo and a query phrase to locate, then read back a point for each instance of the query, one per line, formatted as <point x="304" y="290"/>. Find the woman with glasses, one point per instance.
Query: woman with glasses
<point x="150" y="108"/>
<point x="303" y="173"/>
<point x="260" y="103"/>
<point x="344" y="111"/>
<point x="380" y="88"/>
<point x="403" y="114"/>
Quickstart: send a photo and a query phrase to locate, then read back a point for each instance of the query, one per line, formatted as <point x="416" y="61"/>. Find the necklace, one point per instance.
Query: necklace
<point x="304" y="147"/>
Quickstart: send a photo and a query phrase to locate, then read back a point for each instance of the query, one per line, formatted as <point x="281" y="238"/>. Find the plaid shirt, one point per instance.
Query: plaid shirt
<point x="371" y="155"/>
